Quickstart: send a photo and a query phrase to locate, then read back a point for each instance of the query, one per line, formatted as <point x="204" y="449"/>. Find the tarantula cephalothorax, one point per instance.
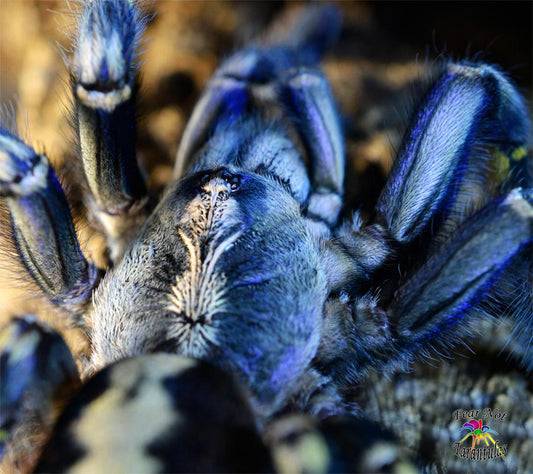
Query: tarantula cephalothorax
<point x="245" y="262"/>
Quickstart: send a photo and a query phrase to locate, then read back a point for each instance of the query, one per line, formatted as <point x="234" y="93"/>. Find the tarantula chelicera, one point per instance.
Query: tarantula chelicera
<point x="246" y="267"/>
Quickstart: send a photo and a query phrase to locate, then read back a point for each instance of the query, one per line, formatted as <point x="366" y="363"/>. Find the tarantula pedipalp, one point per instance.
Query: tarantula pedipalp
<point x="244" y="263"/>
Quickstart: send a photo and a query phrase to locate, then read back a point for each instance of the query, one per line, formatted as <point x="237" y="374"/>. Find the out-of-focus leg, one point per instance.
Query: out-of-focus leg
<point x="157" y="413"/>
<point x="37" y="374"/>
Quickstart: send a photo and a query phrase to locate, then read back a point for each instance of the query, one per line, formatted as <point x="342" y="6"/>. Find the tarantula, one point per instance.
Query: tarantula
<point x="246" y="267"/>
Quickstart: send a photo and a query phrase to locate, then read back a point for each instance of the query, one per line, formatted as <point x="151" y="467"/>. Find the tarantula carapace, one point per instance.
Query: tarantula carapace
<point x="246" y="267"/>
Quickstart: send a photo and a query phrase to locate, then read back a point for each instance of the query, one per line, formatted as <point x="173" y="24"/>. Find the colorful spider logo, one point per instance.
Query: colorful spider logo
<point x="479" y="432"/>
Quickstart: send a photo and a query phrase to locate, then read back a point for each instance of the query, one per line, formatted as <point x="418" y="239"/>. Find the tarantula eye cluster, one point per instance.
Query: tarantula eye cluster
<point x="240" y="308"/>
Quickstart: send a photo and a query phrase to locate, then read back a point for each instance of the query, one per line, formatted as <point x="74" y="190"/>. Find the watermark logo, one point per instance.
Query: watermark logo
<point x="478" y="431"/>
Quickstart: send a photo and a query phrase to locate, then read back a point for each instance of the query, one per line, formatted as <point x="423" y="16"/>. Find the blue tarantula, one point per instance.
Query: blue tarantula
<point x="246" y="268"/>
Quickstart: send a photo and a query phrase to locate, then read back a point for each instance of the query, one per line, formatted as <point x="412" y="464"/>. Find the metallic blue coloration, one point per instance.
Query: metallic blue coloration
<point x="244" y="262"/>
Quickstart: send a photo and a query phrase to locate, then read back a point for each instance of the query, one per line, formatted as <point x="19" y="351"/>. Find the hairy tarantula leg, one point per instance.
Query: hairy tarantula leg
<point x="470" y="107"/>
<point x="223" y="97"/>
<point x="463" y="270"/>
<point x="227" y="95"/>
<point x="104" y="86"/>
<point x="138" y="416"/>
<point x="252" y="74"/>
<point x="37" y="372"/>
<point x="516" y="285"/>
<point x="42" y="225"/>
<point x="307" y="96"/>
<point x="470" y="116"/>
<point x="436" y="298"/>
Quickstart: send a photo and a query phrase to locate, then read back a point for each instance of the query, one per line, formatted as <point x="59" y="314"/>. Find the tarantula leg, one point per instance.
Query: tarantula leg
<point x="224" y="97"/>
<point x="104" y="86"/>
<point x="227" y="95"/>
<point x="301" y="443"/>
<point x="37" y="373"/>
<point x="42" y="226"/>
<point x="308" y="98"/>
<point x="143" y="415"/>
<point x="370" y="333"/>
<point x="471" y="119"/>
<point x="470" y="110"/>
<point x="463" y="270"/>
<point x="253" y="75"/>
<point x="516" y="285"/>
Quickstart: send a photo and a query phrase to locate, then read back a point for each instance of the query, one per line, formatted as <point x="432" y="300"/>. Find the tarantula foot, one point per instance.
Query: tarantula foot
<point x="104" y="56"/>
<point x="22" y="171"/>
<point x="104" y="85"/>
